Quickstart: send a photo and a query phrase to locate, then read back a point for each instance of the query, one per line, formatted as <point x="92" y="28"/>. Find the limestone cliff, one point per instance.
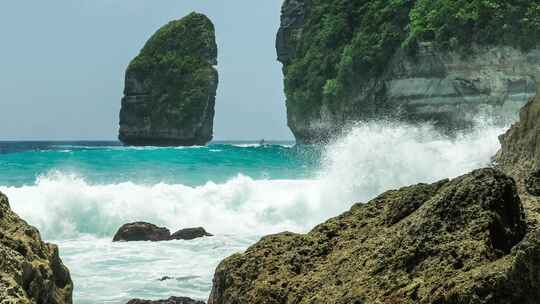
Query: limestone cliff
<point x="460" y="241"/>
<point x="442" y="60"/>
<point x="171" y="85"/>
<point x="31" y="271"/>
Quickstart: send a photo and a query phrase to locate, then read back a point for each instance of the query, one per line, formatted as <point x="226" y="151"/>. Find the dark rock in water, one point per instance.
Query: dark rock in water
<point x="141" y="231"/>
<point x="464" y="240"/>
<point x="165" y="278"/>
<point x="31" y="270"/>
<point x="171" y="85"/>
<point x="350" y="61"/>
<point x="190" y="234"/>
<point x="171" y="300"/>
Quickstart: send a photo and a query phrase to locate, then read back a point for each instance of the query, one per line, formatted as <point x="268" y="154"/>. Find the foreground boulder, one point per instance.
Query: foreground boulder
<point x="141" y="231"/>
<point x="456" y="241"/>
<point x="190" y="234"/>
<point x="170" y="89"/>
<point x="31" y="270"/>
<point x="171" y="300"/>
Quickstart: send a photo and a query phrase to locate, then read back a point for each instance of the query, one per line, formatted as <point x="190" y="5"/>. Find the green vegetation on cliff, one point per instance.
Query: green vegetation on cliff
<point x="344" y="43"/>
<point x="176" y="66"/>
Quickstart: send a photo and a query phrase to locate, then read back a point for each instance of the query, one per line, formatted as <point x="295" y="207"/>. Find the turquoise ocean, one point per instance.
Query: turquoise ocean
<point x="79" y="193"/>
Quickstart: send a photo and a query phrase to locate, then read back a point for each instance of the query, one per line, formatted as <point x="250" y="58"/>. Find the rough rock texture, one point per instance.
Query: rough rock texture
<point x="190" y="234"/>
<point x="31" y="270"/>
<point x="171" y="300"/>
<point x="520" y="158"/>
<point x="443" y="61"/>
<point x="532" y="183"/>
<point x="141" y="231"/>
<point x="171" y="85"/>
<point x="520" y="150"/>
<point x="458" y="241"/>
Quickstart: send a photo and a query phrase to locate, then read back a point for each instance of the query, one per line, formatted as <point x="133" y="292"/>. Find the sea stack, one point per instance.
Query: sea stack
<point x="170" y="87"/>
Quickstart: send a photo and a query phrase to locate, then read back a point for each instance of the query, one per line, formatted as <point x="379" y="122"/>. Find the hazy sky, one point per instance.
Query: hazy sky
<point x="62" y="65"/>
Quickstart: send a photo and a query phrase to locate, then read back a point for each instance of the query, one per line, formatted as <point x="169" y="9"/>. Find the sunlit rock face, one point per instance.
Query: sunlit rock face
<point x="31" y="270"/>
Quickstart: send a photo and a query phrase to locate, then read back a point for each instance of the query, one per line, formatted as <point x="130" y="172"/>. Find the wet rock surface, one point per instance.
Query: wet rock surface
<point x="31" y="270"/>
<point x="141" y="231"/>
<point x="171" y="300"/>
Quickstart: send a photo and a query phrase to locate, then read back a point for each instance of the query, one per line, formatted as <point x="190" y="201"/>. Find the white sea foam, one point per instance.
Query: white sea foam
<point x="372" y="158"/>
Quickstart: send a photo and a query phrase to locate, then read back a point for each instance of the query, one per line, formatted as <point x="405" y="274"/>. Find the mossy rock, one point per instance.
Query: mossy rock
<point x="456" y="241"/>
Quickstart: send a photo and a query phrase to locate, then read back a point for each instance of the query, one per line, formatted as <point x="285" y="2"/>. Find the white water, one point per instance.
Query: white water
<point x="372" y="158"/>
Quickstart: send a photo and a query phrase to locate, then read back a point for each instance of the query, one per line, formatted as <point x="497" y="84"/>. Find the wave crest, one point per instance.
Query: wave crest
<point x="371" y="158"/>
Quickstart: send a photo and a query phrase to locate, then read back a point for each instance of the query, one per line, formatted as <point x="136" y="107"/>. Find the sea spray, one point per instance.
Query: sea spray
<point x="372" y="158"/>
<point x="265" y="190"/>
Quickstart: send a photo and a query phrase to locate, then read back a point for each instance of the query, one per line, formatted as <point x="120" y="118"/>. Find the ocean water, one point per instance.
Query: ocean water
<point x="78" y="194"/>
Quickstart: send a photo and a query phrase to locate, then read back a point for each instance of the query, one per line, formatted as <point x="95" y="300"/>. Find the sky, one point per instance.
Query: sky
<point x="62" y="65"/>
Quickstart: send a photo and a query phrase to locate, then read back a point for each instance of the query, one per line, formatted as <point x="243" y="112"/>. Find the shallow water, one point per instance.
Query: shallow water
<point x="78" y="194"/>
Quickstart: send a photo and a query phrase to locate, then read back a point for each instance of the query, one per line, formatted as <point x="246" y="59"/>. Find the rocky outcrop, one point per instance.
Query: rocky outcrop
<point x="520" y="158"/>
<point x="464" y="240"/>
<point x="141" y="231"/>
<point x="520" y="151"/>
<point x="532" y="183"/>
<point x="361" y="60"/>
<point x="31" y="271"/>
<point x="190" y="234"/>
<point x="170" y="88"/>
<point x="171" y="300"/>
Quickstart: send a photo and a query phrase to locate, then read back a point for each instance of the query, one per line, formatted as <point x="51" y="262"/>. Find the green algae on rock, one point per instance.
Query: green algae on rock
<point x="31" y="271"/>
<point x="171" y="85"/>
<point x="456" y="241"/>
<point x="437" y="60"/>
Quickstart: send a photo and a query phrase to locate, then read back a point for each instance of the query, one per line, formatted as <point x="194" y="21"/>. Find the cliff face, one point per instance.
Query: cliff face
<point x="444" y="61"/>
<point x="31" y="271"/>
<point x="460" y="241"/>
<point x="171" y="85"/>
